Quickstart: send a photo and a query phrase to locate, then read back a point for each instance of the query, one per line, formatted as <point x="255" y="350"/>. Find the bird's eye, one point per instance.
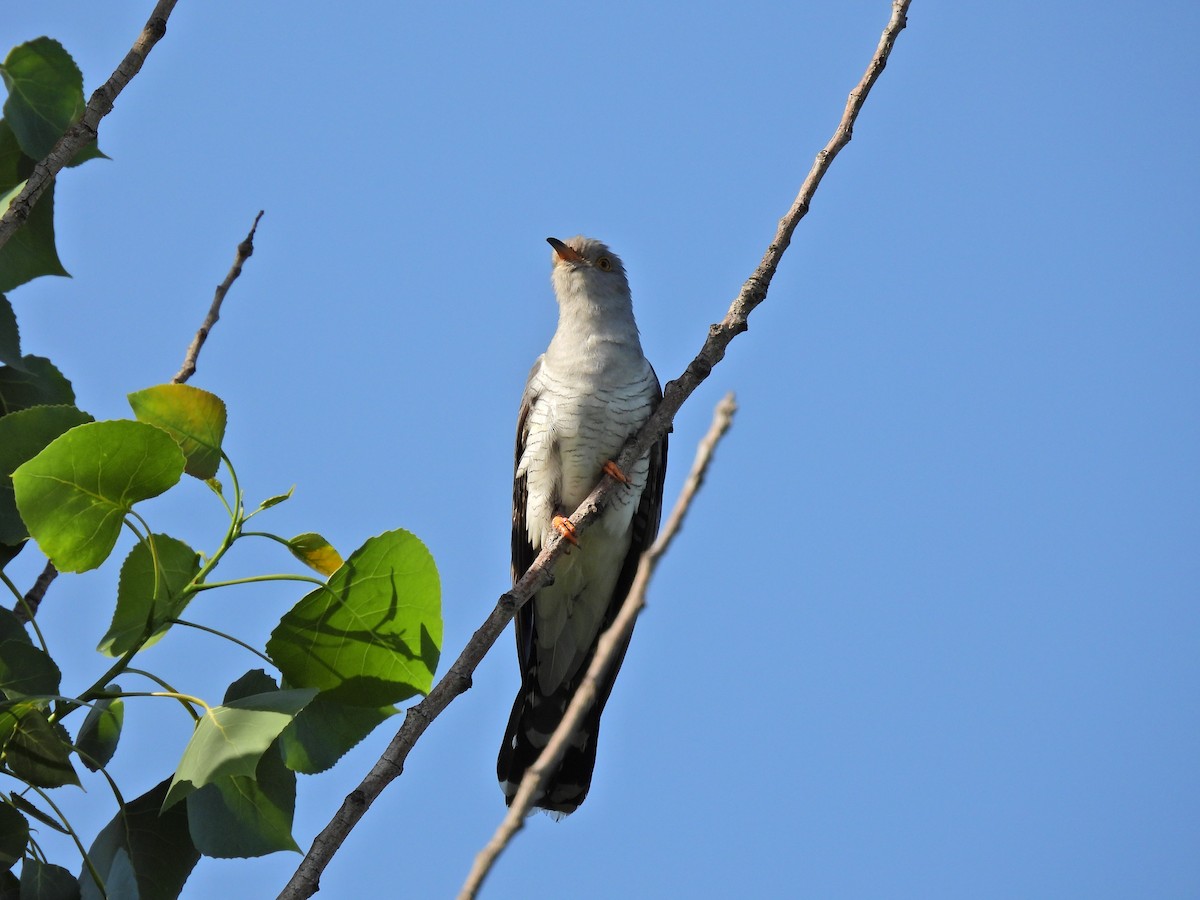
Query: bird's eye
<point x="604" y="264"/>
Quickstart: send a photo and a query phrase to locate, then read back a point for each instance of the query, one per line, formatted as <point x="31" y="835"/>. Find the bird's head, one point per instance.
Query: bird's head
<point x="586" y="268"/>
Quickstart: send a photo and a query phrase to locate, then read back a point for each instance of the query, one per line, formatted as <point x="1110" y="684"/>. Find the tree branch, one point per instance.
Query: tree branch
<point x="84" y="131"/>
<point x="25" y="611"/>
<point x="607" y="647"/>
<point x="244" y="250"/>
<point x="306" y="880"/>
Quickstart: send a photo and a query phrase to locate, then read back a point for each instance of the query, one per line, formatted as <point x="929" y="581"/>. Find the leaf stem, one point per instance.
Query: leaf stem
<point x="228" y="637"/>
<point x="87" y="860"/>
<point x="28" y="612"/>
<point x="252" y="579"/>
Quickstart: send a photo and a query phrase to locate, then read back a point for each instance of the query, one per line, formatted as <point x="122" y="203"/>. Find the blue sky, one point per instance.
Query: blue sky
<point x="932" y="628"/>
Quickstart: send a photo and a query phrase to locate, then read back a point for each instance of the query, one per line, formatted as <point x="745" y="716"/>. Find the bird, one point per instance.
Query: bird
<point x="585" y="396"/>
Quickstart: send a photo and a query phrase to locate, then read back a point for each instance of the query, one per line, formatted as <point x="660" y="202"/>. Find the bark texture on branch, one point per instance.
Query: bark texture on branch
<point x="84" y="131"/>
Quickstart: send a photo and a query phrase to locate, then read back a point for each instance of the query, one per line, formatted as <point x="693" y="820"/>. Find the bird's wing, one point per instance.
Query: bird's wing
<point x="523" y="554"/>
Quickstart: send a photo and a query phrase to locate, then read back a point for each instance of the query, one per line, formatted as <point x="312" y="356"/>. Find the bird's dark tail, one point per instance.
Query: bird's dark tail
<point x="533" y="720"/>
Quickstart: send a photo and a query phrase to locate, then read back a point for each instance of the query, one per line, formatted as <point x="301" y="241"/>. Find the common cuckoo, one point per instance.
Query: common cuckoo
<point x="585" y="396"/>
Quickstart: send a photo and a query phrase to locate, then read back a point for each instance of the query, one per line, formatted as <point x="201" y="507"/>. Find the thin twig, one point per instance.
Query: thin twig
<point x="305" y="880"/>
<point x="84" y="131"/>
<point x="607" y="647"/>
<point x="244" y="250"/>
<point x="28" y="609"/>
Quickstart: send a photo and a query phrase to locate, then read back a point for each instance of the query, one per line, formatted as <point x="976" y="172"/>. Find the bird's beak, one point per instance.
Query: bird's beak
<point x="564" y="253"/>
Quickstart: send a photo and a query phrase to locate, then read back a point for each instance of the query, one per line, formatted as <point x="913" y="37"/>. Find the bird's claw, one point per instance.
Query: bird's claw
<point x="564" y="527"/>
<point x="611" y="468"/>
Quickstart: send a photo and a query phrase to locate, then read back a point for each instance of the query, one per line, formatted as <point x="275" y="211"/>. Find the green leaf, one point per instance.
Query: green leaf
<point x="138" y="605"/>
<point x="30" y="252"/>
<point x="8" y="553"/>
<point x="274" y="501"/>
<point x="74" y="495"/>
<point x="42" y="881"/>
<point x="325" y="730"/>
<point x="14" y="836"/>
<point x="10" y="334"/>
<point x="231" y="739"/>
<point x="11" y="628"/>
<point x="23" y="435"/>
<point x="101" y="730"/>
<point x="256" y="681"/>
<point x="38" y="752"/>
<point x="15" y="164"/>
<point x="315" y="552"/>
<point x="22" y="803"/>
<point x="373" y="635"/>
<point x="45" y="96"/>
<point x="26" y="669"/>
<point x="156" y="847"/>
<point x="242" y="816"/>
<point x="36" y="383"/>
<point x="194" y="418"/>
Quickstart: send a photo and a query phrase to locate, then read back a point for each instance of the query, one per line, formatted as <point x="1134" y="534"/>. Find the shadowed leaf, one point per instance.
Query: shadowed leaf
<point x="45" y="96"/>
<point x="14" y="835"/>
<point x="30" y="252"/>
<point x="38" y="751"/>
<point x="101" y="730"/>
<point x="42" y="881"/>
<point x="242" y="816"/>
<point x="23" y="435"/>
<point x="231" y="739"/>
<point x="325" y="730"/>
<point x="10" y="335"/>
<point x="36" y="383"/>
<point x="138" y="606"/>
<point x="156" y="847"/>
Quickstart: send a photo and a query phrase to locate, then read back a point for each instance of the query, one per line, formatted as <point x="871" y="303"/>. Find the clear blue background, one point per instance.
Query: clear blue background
<point x="933" y="629"/>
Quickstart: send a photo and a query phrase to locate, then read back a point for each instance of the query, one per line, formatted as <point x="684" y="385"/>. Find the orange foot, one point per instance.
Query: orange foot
<point x="611" y="468"/>
<point x="564" y="527"/>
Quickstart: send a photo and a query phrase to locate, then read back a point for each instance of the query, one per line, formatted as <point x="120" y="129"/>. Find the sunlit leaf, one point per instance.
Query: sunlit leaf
<point x="14" y="836"/>
<point x="242" y="816"/>
<point x="315" y="552"/>
<point x="101" y="730"/>
<point x="23" y="435"/>
<point x="231" y="739"/>
<point x="138" y="605"/>
<point x="373" y="635"/>
<point x="74" y="495"/>
<point x="36" y="383"/>
<point x="325" y="730"/>
<point x="155" y="846"/>
<point x="194" y="418"/>
<point x="45" y="96"/>
<point x="39" y="751"/>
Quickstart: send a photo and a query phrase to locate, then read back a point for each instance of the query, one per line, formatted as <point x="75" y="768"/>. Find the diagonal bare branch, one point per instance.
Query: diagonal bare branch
<point x="244" y="249"/>
<point x="25" y="610"/>
<point x="84" y="131"/>
<point x="306" y="880"/>
<point x="607" y="647"/>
